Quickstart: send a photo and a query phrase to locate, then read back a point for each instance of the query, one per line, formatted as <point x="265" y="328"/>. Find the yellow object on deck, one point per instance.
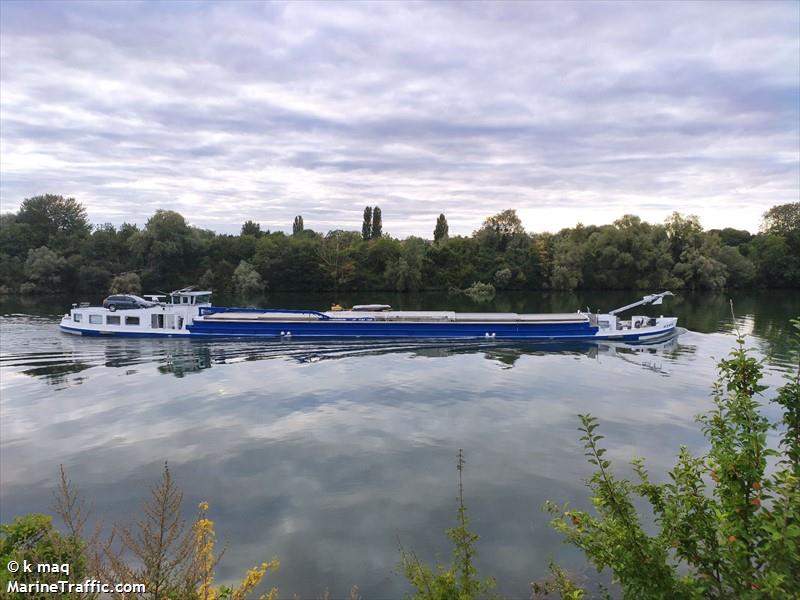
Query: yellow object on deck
<point x="336" y="307"/>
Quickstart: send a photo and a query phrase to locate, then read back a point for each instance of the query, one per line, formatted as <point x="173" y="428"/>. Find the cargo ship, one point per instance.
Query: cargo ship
<point x="189" y="313"/>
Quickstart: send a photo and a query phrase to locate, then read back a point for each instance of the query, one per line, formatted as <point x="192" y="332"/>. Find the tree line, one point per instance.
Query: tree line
<point x="49" y="246"/>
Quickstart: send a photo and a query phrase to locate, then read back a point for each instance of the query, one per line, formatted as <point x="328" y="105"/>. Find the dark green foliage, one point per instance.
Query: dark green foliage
<point x="297" y="226"/>
<point x="405" y="274"/>
<point x="377" y="223"/>
<point x="366" y="226"/>
<point x="290" y="262"/>
<point x="782" y="219"/>
<point x="44" y="270"/>
<point x="125" y="283"/>
<point x="33" y="538"/>
<point x="732" y="237"/>
<point x="166" y="248"/>
<point x="775" y="259"/>
<point x="246" y="280"/>
<point x="253" y="228"/>
<point x="442" y="231"/>
<point x="480" y="292"/>
<point x="741" y="270"/>
<point x="504" y="224"/>
<point x="459" y="580"/>
<point x="727" y="527"/>
<point x="169" y="253"/>
<point x="53" y="220"/>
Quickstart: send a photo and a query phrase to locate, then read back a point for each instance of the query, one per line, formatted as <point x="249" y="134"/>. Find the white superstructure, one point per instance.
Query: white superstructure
<point x="162" y="319"/>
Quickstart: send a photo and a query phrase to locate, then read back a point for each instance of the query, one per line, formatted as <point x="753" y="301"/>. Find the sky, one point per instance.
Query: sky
<point x="567" y="112"/>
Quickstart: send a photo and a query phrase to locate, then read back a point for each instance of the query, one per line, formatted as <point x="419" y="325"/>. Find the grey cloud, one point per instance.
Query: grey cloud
<point x="272" y="109"/>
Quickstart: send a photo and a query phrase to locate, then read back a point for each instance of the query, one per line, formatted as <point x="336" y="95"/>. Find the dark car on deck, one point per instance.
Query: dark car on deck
<point x="125" y="302"/>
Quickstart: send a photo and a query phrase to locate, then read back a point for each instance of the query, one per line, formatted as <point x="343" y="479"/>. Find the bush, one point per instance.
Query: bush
<point x="33" y="538"/>
<point x="726" y="527"/>
<point x="480" y="292"/>
<point x="246" y="280"/>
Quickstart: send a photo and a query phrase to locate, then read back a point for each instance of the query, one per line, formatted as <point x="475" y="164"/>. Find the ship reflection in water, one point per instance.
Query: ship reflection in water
<point x="184" y="357"/>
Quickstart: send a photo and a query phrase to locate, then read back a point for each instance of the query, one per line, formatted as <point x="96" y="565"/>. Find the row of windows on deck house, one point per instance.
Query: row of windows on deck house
<point x="158" y="321"/>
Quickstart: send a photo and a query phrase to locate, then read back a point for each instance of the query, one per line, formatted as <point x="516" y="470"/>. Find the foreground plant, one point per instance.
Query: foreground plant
<point x="172" y="560"/>
<point x="726" y="527"/>
<point x="459" y="580"/>
<point x="205" y="561"/>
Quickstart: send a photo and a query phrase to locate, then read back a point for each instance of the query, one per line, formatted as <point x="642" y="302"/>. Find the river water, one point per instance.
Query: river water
<point x="329" y="455"/>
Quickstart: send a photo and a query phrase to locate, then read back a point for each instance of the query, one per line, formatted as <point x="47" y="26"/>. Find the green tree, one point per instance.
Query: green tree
<point x="15" y="236"/>
<point x="125" y="283"/>
<point x="297" y="226"/>
<point x="740" y="269"/>
<point x="682" y="233"/>
<point x="252" y="228"/>
<point x="505" y="224"/>
<point x="568" y="259"/>
<point x="451" y="265"/>
<point x="732" y="237"/>
<point x="405" y="274"/>
<point x="377" y="223"/>
<point x="290" y="262"/>
<point x="782" y="219"/>
<point x="53" y="220"/>
<point x="726" y="527"/>
<point x="34" y="539"/>
<point x="699" y="266"/>
<point x="246" y="280"/>
<point x="335" y="257"/>
<point x="442" y="231"/>
<point x="695" y="256"/>
<point x="366" y="225"/>
<point x="167" y="250"/>
<point x="775" y="258"/>
<point x="45" y="270"/>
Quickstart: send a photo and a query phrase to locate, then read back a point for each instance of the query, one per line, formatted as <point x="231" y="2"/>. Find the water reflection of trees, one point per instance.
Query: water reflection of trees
<point x="205" y="355"/>
<point x="58" y="374"/>
<point x="185" y="357"/>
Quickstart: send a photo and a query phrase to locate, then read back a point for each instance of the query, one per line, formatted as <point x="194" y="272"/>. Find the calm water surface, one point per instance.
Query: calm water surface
<point x="325" y="454"/>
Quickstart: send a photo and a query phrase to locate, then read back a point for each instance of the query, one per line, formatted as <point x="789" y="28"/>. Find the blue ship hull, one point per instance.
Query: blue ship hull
<point x="429" y="332"/>
<point x="371" y="329"/>
<point x="404" y="330"/>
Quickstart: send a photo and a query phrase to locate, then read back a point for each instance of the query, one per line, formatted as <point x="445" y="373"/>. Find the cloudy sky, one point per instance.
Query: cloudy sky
<point x="566" y="112"/>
